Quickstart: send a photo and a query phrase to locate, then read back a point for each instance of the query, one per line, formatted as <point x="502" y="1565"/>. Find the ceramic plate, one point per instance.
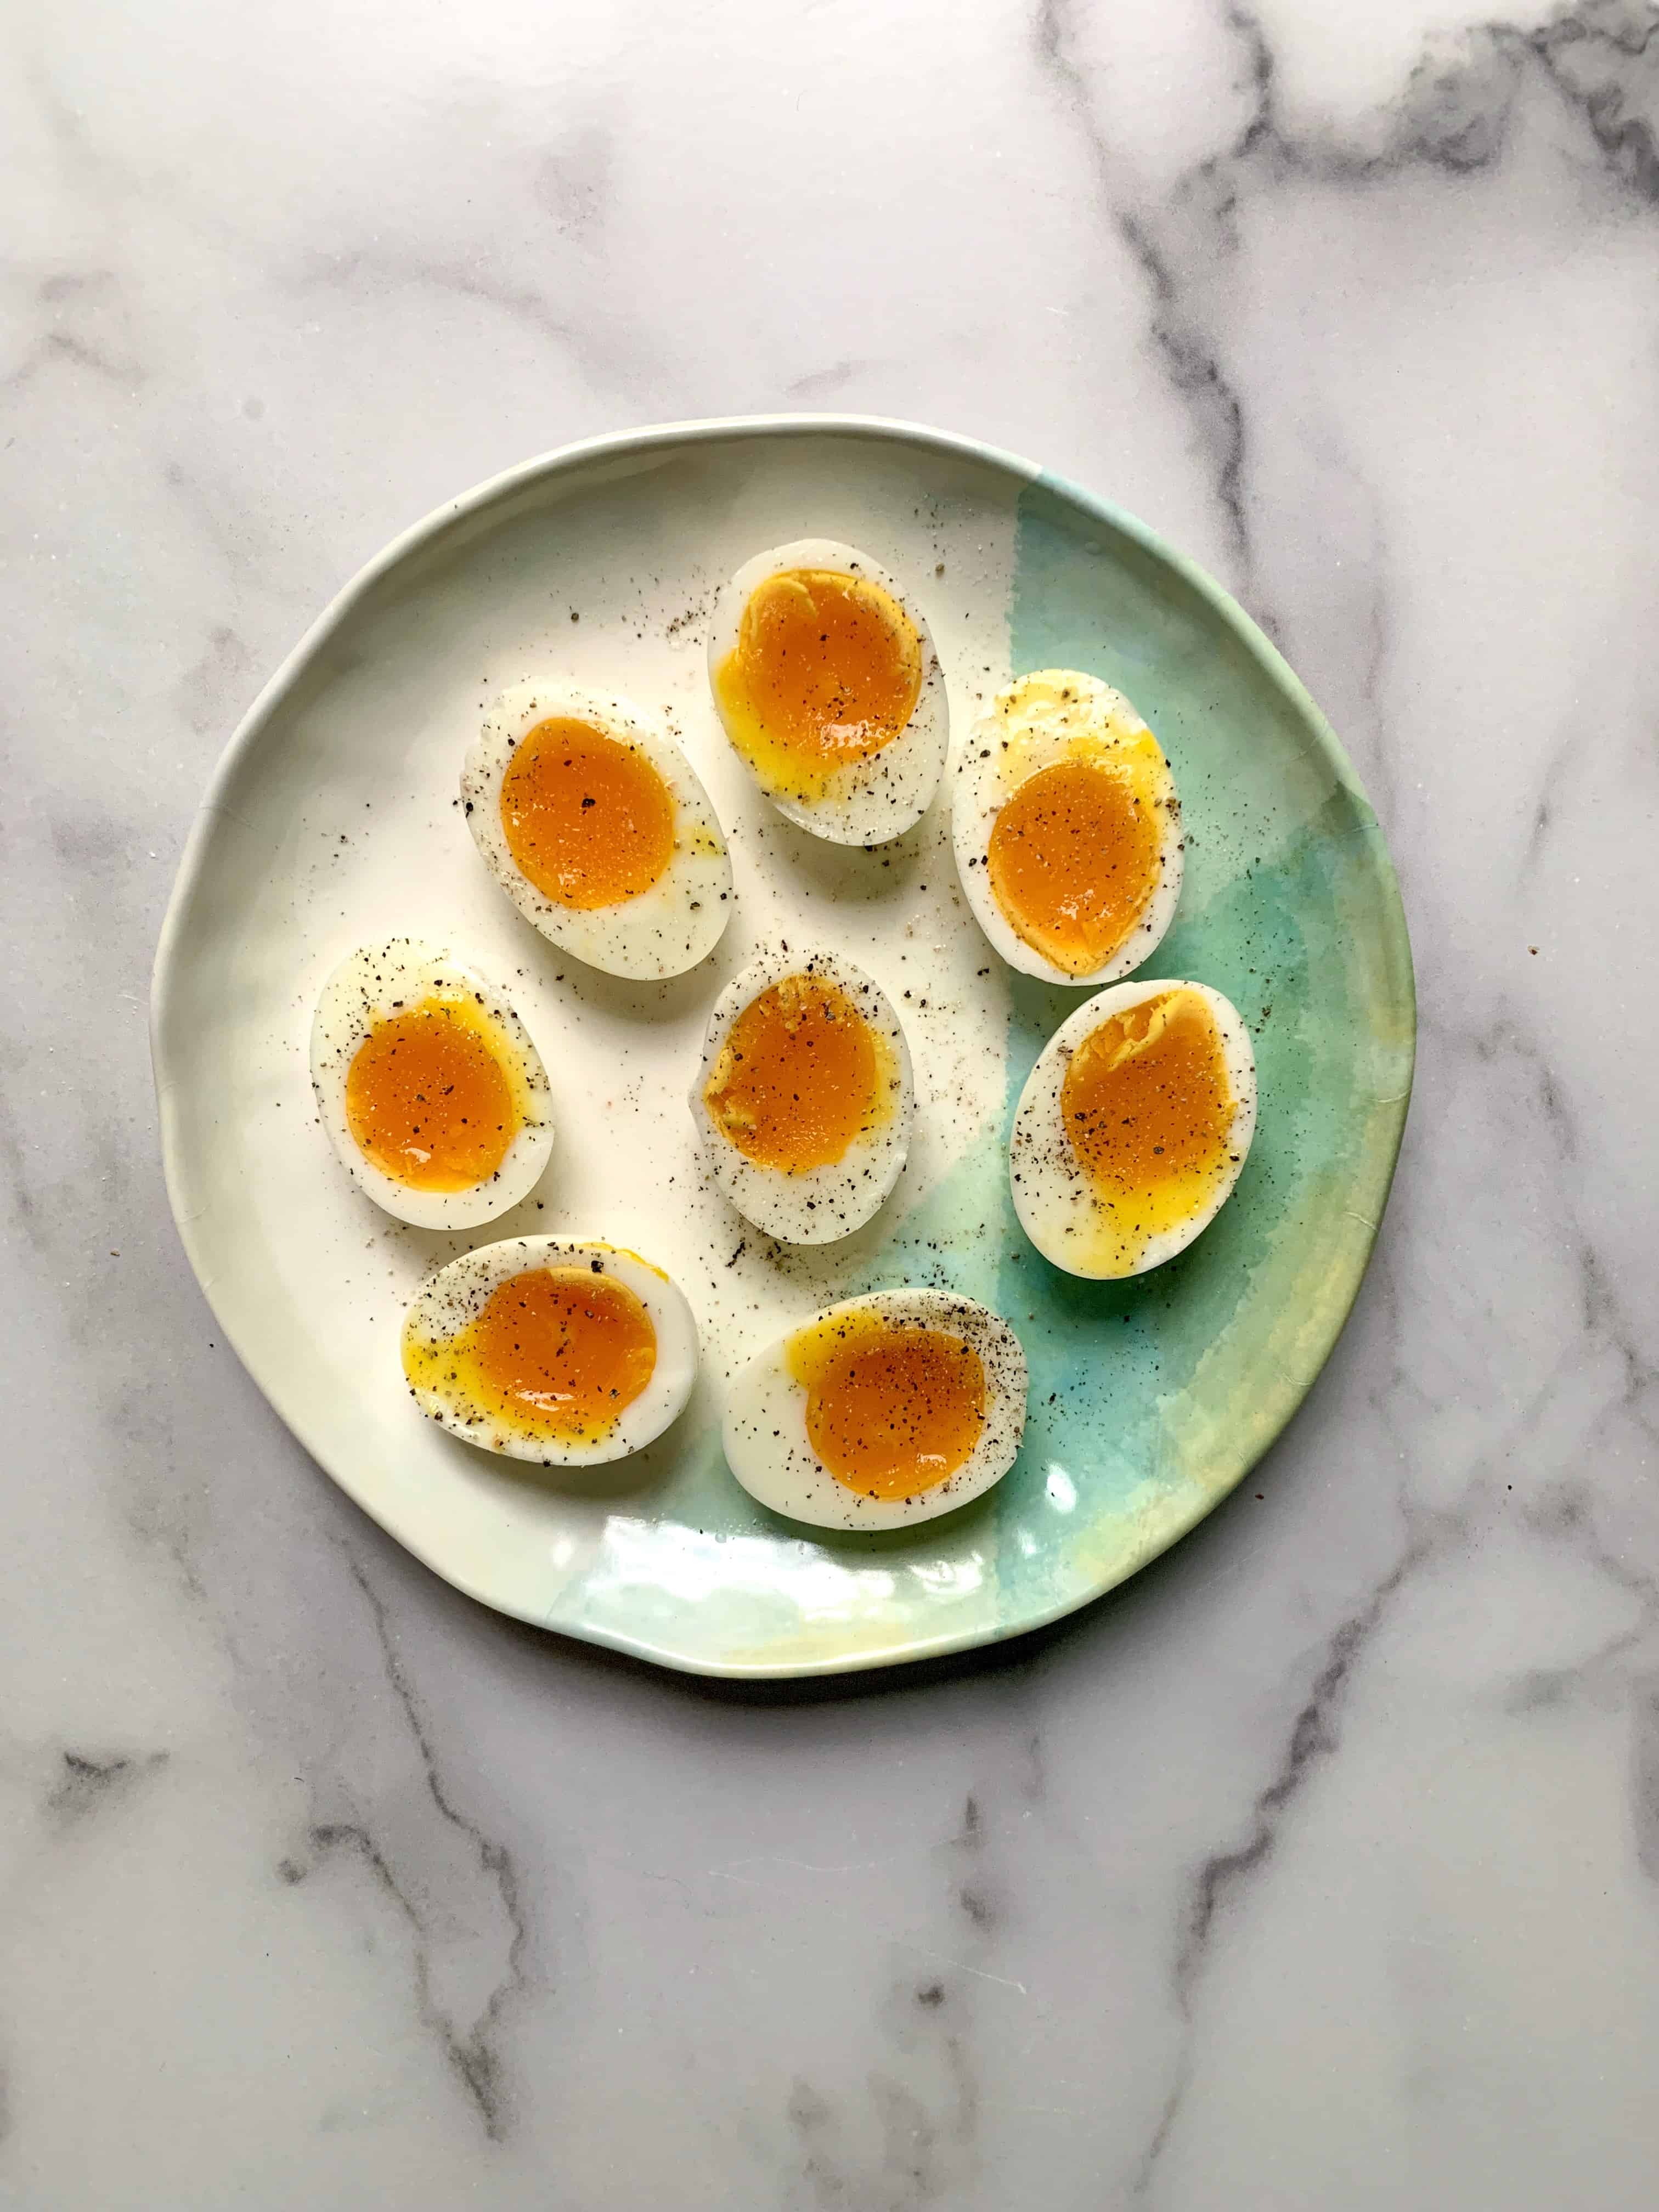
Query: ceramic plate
<point x="333" y="818"/>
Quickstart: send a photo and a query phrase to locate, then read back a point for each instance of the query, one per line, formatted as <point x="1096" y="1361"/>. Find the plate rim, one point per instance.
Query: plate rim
<point x="707" y="429"/>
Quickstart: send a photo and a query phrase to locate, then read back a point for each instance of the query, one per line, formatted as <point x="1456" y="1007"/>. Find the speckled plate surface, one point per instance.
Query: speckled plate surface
<point x="332" y="819"/>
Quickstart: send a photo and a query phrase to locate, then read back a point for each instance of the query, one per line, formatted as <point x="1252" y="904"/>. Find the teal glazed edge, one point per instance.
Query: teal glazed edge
<point x="1340" y="851"/>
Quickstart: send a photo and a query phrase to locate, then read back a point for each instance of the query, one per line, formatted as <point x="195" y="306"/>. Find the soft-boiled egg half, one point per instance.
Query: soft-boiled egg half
<point x="804" y="1098"/>
<point x="595" y="825"/>
<point x="1067" y="829"/>
<point x="824" y="676"/>
<point x="1133" y="1127"/>
<point x="428" y="1087"/>
<point x="553" y="1349"/>
<point x="886" y="1410"/>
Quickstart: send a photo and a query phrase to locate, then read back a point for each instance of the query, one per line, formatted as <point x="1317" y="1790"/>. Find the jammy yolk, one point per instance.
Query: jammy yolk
<point x="556" y="1351"/>
<point x="587" y="818"/>
<point x="890" y="1410"/>
<point x="826" y="670"/>
<point x="1074" y="857"/>
<point x="800" y="1076"/>
<point x="1149" y="1112"/>
<point x="428" y="1100"/>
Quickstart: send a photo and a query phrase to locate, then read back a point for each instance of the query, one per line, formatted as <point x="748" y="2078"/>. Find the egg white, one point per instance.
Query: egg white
<point x="869" y="801"/>
<point x="369" y="986"/>
<point x="455" y="1296"/>
<point x="770" y="1453"/>
<point x="1032" y="727"/>
<point x="665" y="930"/>
<point x="822" y="1203"/>
<point x="1052" y="1195"/>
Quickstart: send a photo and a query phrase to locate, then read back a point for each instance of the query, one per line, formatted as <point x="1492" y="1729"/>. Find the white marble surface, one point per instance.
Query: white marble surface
<point x="1321" y="1866"/>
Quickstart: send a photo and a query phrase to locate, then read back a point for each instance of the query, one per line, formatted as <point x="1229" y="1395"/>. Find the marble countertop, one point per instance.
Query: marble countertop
<point x="1320" y="1866"/>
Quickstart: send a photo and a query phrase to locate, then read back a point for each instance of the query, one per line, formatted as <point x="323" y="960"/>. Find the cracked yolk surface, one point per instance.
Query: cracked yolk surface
<point x="587" y="818"/>
<point x="826" y="672"/>
<point x="556" y="1351"/>
<point x="801" y="1075"/>
<point x="429" y="1100"/>
<point x="1075" y="854"/>
<point x="1148" y="1110"/>
<point x="892" y="1409"/>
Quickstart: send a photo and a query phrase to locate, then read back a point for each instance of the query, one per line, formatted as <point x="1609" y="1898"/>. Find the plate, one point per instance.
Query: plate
<point x="334" y="818"/>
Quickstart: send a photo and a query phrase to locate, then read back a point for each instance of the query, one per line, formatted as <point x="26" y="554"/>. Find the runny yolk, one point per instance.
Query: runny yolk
<point x="801" y="1075"/>
<point x="892" y="1409"/>
<point x="428" y="1100"/>
<point x="586" y="818"/>
<point x="1075" y="855"/>
<point x="826" y="670"/>
<point x="557" y="1352"/>
<point x="1149" y="1112"/>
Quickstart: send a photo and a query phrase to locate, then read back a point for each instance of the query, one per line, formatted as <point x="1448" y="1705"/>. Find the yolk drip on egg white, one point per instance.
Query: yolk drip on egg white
<point x="430" y="1101"/>
<point x="801" y="1076"/>
<point x="826" y="672"/>
<point x="558" y="1353"/>
<point x="892" y="1409"/>
<point x="1148" y="1111"/>
<point x="1074" y="853"/>
<point x="587" y="818"/>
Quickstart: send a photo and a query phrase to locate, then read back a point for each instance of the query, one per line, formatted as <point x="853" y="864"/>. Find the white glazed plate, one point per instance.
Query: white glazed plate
<point x="333" y="821"/>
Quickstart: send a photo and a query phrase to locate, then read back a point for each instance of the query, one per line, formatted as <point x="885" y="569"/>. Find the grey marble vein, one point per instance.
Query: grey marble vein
<point x="88" y="1783"/>
<point x="1223" y="1880"/>
<point x="472" y="2047"/>
<point x="1188" y="350"/>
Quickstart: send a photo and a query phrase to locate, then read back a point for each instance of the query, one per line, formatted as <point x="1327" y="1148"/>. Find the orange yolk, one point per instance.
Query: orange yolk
<point x="1075" y="856"/>
<point x="800" y="1076"/>
<point x="427" y="1099"/>
<point x="890" y="1410"/>
<point x="588" y="820"/>
<point x="556" y="1351"/>
<point x="1149" y="1111"/>
<point x="826" y="670"/>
